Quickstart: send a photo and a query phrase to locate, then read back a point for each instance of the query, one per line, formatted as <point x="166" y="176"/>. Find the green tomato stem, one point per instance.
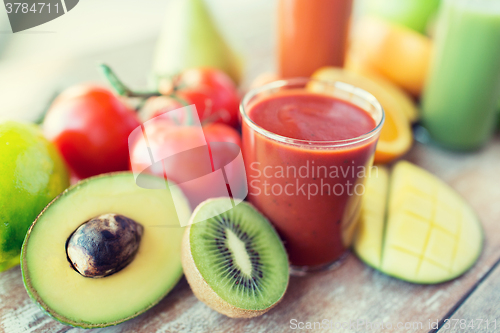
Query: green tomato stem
<point x="189" y="121"/>
<point x="120" y="88"/>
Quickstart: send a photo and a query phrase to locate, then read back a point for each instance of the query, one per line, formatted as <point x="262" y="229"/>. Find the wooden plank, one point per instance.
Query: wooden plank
<point x="354" y="292"/>
<point x="480" y="312"/>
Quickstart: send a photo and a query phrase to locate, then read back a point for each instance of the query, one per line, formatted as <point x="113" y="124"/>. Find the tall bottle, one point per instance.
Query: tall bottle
<point x="463" y="87"/>
<point x="311" y="34"/>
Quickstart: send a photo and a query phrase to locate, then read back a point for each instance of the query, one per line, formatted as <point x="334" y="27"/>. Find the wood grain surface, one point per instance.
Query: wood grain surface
<point x="353" y="293"/>
<point x="480" y="313"/>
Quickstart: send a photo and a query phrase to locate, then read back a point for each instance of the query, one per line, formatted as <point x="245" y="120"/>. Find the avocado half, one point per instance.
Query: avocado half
<point x="76" y="300"/>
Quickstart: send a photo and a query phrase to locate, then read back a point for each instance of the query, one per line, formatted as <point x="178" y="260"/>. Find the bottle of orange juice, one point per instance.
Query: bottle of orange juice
<point x="312" y="34"/>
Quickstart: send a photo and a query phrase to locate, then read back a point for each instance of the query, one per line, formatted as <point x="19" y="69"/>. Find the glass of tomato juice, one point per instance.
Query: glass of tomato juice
<point x="308" y="147"/>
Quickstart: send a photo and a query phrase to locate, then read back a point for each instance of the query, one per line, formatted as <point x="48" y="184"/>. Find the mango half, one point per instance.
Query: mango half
<point x="415" y="227"/>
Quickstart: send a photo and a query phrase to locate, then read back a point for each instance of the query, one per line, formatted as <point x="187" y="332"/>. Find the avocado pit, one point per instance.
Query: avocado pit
<point x="104" y="245"/>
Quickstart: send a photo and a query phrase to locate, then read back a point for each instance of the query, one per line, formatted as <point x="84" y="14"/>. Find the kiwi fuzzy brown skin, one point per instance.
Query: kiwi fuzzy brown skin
<point x="202" y="289"/>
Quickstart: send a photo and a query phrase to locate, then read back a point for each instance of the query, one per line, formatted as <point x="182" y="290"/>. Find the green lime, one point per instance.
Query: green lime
<point x="31" y="174"/>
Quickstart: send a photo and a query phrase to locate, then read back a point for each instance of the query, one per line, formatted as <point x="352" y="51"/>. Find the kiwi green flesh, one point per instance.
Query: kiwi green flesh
<point x="240" y="256"/>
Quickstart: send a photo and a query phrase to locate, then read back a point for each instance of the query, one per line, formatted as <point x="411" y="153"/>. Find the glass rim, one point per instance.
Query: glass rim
<point x="346" y="87"/>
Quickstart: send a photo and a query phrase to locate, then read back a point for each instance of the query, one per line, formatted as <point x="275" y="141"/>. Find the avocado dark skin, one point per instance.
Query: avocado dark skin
<point x="104" y="245"/>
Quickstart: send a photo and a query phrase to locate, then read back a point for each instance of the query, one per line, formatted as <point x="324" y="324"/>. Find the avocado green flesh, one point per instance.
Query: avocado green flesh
<point x="215" y="269"/>
<point x="86" y="302"/>
<point x="427" y="234"/>
<point x="32" y="174"/>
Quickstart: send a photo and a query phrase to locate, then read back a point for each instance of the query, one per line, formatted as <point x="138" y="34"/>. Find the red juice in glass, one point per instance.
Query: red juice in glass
<point x="308" y="147"/>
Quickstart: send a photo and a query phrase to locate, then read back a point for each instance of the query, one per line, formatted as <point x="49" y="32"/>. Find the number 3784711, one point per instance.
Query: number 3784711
<point x="36" y="8"/>
<point x="470" y="324"/>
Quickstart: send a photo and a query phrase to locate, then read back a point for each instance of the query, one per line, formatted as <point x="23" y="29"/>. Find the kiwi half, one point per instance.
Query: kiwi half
<point x="234" y="261"/>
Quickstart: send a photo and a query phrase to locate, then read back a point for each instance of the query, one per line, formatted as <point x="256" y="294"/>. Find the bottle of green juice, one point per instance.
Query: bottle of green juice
<point x="463" y="87"/>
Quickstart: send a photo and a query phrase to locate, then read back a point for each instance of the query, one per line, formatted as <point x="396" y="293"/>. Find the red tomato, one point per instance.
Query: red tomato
<point x="213" y="92"/>
<point x="187" y="163"/>
<point x="90" y="126"/>
<point x="215" y="132"/>
<point x="201" y="97"/>
<point x="158" y="105"/>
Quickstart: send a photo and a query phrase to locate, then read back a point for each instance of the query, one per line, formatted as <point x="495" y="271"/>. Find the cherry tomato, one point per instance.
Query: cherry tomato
<point x="189" y="164"/>
<point x="90" y="126"/>
<point x="158" y="105"/>
<point x="201" y="97"/>
<point x="215" y="132"/>
<point x="213" y="92"/>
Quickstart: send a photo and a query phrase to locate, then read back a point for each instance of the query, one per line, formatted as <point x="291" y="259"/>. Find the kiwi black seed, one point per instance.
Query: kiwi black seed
<point x="234" y="259"/>
<point x="247" y="281"/>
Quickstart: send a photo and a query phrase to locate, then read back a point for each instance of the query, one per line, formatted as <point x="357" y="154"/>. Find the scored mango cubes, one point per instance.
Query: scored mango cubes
<point x="414" y="227"/>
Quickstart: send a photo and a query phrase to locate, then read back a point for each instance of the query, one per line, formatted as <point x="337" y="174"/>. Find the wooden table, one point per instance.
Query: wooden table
<point x="353" y="294"/>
